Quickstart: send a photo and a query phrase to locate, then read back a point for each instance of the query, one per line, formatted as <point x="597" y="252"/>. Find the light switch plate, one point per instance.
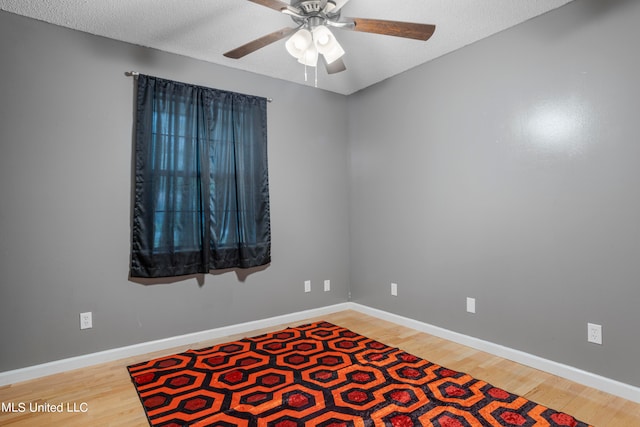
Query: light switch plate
<point x="471" y="305"/>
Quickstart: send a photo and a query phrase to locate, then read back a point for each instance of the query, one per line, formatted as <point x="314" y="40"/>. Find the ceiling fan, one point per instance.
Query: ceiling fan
<point x="312" y="37"/>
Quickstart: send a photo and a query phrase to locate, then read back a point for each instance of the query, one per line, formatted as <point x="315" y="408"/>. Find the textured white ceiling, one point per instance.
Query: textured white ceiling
<point x="205" y="29"/>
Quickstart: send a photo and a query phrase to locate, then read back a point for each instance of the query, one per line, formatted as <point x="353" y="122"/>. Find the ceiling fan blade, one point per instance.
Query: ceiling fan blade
<point x="258" y="43"/>
<point x="272" y="4"/>
<point x="409" y="30"/>
<point x="336" y="66"/>
<point x="337" y="5"/>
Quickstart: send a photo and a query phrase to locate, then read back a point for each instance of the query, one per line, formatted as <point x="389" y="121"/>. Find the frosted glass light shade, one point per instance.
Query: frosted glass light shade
<point x="327" y="44"/>
<point x="298" y="43"/>
<point x="323" y="38"/>
<point x="334" y="54"/>
<point x="310" y="56"/>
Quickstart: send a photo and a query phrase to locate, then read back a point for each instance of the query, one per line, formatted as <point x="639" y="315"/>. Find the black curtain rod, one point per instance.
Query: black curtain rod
<point x="135" y="74"/>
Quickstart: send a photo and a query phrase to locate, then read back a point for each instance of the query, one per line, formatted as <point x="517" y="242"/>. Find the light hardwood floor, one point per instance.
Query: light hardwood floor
<point x="108" y="398"/>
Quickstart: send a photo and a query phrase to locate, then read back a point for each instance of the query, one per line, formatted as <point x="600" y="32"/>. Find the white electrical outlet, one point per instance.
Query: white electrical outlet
<point x="594" y="332"/>
<point x="307" y="285"/>
<point x="86" y="321"/>
<point x="394" y="289"/>
<point x="327" y="285"/>
<point x="471" y="305"/>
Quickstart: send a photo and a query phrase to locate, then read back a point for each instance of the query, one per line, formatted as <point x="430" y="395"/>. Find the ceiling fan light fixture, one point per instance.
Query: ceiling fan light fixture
<point x="323" y="37"/>
<point x="310" y="56"/>
<point x="334" y="54"/>
<point x="327" y="44"/>
<point x="299" y="43"/>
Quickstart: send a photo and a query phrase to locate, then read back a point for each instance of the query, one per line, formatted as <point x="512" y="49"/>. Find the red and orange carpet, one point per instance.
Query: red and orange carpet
<point x="323" y="375"/>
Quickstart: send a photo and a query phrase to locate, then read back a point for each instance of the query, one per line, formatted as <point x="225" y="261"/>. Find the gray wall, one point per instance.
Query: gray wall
<point x="505" y="171"/>
<point x="508" y="171"/>
<point x="65" y="174"/>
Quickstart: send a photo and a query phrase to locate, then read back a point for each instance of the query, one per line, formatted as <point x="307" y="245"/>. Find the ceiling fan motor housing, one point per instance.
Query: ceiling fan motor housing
<point x="323" y="8"/>
<point x="310" y="6"/>
<point x="312" y="13"/>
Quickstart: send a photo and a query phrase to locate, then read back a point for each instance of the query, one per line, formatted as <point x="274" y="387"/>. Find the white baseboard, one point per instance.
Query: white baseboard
<point x="589" y="379"/>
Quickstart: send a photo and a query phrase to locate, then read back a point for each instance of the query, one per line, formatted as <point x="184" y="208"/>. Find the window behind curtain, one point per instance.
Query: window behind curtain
<point x="201" y="180"/>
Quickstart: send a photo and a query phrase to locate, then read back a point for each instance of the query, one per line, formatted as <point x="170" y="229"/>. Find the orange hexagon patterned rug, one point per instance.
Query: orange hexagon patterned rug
<point x="323" y="375"/>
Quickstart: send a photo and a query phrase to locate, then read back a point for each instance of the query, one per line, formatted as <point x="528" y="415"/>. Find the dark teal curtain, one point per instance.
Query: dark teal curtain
<point x="201" y="196"/>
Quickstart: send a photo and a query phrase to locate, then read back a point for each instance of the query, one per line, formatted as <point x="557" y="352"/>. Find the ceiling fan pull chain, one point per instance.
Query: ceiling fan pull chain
<point x="305" y="73"/>
<point x="316" y="76"/>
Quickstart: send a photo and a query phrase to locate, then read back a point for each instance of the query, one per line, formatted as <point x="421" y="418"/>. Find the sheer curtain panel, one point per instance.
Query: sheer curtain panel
<point x="201" y="195"/>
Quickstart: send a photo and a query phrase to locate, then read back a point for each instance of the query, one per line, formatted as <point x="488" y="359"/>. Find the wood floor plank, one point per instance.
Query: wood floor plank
<point x="111" y="399"/>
